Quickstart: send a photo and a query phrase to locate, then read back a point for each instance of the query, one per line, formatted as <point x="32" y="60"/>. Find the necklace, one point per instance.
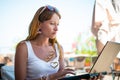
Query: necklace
<point x="51" y="54"/>
<point x="47" y="51"/>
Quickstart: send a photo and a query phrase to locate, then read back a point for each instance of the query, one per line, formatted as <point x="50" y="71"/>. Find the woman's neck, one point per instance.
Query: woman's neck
<point x="41" y="42"/>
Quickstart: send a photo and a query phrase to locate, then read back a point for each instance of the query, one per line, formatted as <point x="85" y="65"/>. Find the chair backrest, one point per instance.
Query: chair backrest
<point x="1" y="64"/>
<point x="7" y="73"/>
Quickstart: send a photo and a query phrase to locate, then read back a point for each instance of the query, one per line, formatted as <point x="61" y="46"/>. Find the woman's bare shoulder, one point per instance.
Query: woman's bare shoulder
<point x="21" y="46"/>
<point x="21" y="51"/>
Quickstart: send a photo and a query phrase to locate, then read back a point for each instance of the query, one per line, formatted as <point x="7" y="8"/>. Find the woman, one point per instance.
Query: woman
<point x="40" y="57"/>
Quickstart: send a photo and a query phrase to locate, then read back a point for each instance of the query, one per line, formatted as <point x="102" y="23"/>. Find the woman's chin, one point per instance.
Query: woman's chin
<point x="52" y="37"/>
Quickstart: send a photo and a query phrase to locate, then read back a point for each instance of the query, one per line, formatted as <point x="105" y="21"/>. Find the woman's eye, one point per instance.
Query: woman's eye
<point x="52" y="23"/>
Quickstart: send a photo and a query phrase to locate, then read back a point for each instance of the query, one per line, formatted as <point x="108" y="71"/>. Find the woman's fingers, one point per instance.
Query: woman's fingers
<point x="69" y="71"/>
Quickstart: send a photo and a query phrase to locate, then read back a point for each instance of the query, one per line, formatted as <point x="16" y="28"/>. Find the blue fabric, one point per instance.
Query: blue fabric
<point x="72" y="59"/>
<point x="7" y="73"/>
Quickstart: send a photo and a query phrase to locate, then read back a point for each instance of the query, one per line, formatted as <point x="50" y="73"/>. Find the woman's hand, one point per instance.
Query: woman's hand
<point x="62" y="73"/>
<point x="66" y="71"/>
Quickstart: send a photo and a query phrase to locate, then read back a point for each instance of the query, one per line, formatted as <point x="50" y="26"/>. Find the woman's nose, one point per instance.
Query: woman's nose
<point x="56" y="28"/>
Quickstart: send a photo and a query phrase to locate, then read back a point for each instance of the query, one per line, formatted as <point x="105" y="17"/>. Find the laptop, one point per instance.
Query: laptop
<point x="106" y="57"/>
<point x="102" y="63"/>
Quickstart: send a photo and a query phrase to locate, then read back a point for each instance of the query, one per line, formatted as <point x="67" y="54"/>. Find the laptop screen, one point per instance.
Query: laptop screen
<point x="106" y="57"/>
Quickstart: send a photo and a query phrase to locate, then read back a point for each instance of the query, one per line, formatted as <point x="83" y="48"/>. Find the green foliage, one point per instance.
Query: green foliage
<point x="85" y="44"/>
<point x="87" y="59"/>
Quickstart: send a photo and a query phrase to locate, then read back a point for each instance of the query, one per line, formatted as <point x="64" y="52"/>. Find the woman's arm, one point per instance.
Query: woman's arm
<point x="61" y="60"/>
<point x="20" y="61"/>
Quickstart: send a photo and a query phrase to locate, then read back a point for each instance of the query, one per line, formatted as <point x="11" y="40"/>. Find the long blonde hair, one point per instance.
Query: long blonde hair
<point x="39" y="17"/>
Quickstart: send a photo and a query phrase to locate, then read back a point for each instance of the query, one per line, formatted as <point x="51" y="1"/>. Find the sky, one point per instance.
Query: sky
<point x="16" y="15"/>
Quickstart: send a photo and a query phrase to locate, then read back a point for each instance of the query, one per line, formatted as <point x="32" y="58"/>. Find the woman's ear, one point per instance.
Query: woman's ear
<point x="39" y="28"/>
<point x="39" y="31"/>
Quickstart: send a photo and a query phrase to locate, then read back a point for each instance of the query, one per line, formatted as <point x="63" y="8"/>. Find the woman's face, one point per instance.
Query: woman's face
<point x="49" y="28"/>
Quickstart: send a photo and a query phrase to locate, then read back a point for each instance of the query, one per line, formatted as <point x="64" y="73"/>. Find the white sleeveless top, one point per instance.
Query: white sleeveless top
<point x="37" y="67"/>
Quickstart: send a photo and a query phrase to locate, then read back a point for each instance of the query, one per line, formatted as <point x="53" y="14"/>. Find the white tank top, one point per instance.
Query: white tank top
<point x="37" y="67"/>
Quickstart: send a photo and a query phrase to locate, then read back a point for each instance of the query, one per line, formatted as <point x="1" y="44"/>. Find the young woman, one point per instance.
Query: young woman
<point x="40" y="56"/>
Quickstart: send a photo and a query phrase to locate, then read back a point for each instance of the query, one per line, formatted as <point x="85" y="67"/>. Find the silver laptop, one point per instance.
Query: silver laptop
<point x="106" y="57"/>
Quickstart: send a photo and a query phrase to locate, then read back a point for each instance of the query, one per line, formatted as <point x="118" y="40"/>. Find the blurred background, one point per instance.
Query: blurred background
<point x="74" y="29"/>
